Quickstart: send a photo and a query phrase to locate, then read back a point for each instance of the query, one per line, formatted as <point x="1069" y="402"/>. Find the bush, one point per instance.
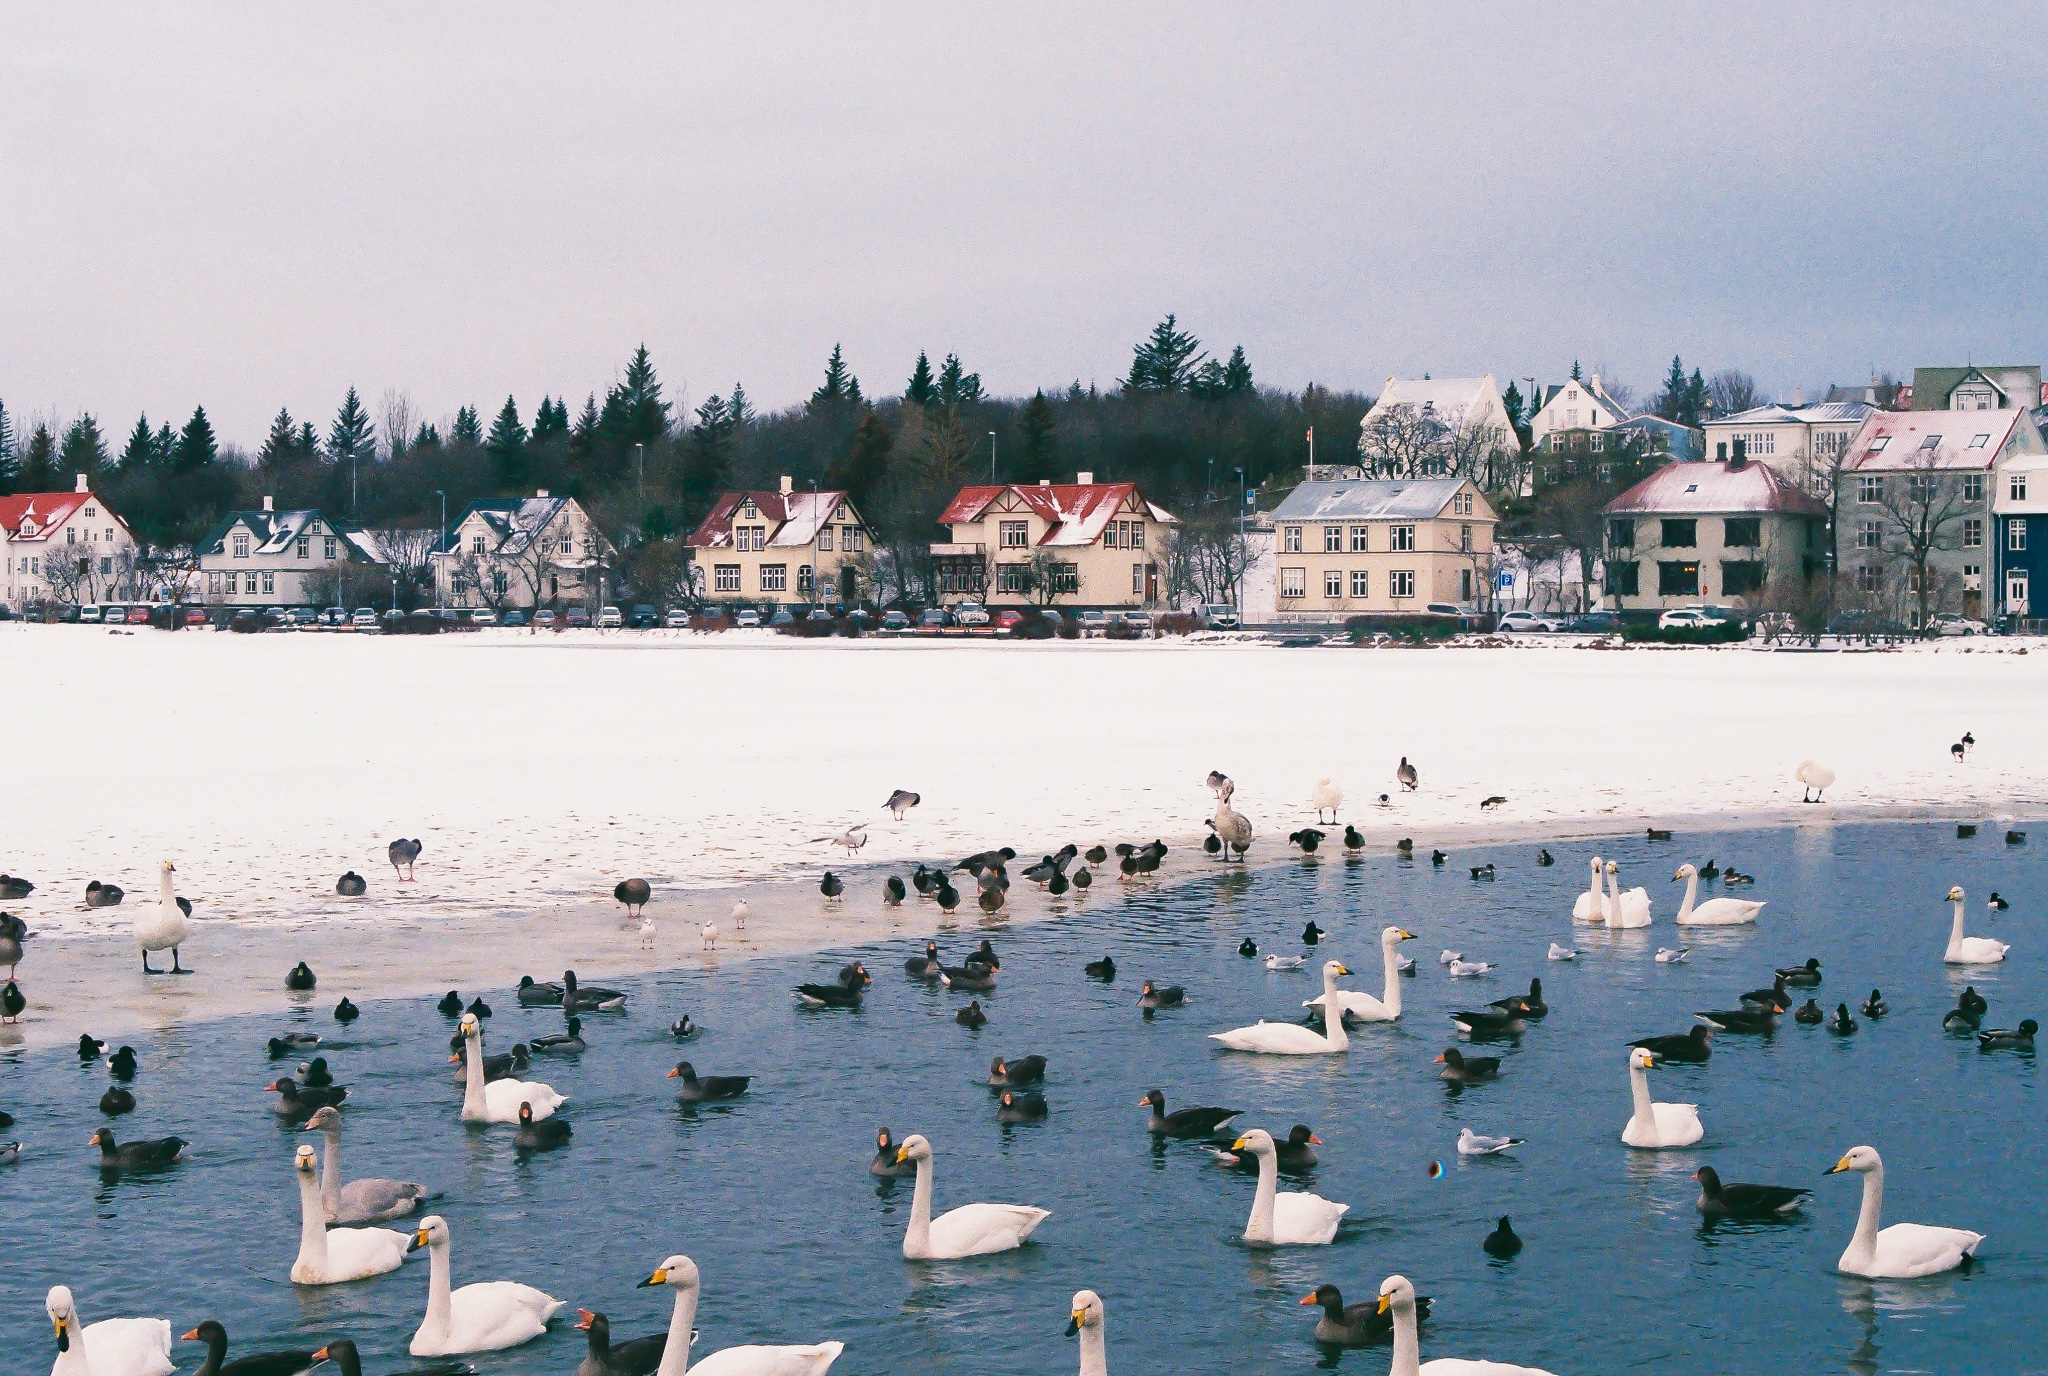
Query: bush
<point x="1653" y="634"/>
<point x="1069" y="629"/>
<point x="1414" y="629"/>
<point x="1036" y="625"/>
<point x="852" y="627"/>
<point x="1120" y="629"/>
<point x="711" y="622"/>
<point x="1178" y="623"/>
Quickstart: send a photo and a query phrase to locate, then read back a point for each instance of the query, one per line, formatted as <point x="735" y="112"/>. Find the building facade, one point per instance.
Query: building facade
<point x="1804" y="443"/>
<point x="523" y="552"/>
<point x="1991" y="387"/>
<point x="1723" y="532"/>
<point x="1575" y="405"/>
<point x="1356" y="547"/>
<point x="781" y="548"/>
<point x="1079" y="544"/>
<point x="1414" y="424"/>
<point x="64" y="548"/>
<point x="272" y="558"/>
<point x="2019" y="507"/>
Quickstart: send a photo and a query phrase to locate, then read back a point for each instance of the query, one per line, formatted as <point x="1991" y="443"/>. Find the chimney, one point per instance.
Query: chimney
<point x="267" y="502"/>
<point x="1045" y="482"/>
<point x="1740" y="460"/>
<point x="787" y="486"/>
<point x="81" y="485"/>
<point x="540" y="492"/>
<point x="1798" y="397"/>
<point x="1084" y="479"/>
<point x="1596" y="384"/>
<point x="1870" y="392"/>
<point x="1721" y="452"/>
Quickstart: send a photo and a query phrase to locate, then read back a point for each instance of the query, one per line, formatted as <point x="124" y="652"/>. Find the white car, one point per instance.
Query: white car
<point x="970" y="614"/>
<point x="1694" y="618"/>
<point x="1953" y="623"/>
<point x="677" y="619"/>
<point x="483" y="616"/>
<point x="364" y="619"/>
<point x="748" y="619"/>
<point x="1529" y="621"/>
<point x="610" y="618"/>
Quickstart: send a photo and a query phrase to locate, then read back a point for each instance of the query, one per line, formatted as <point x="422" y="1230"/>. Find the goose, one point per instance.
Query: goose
<point x="926" y="966"/>
<point x="885" y="1166"/>
<point x="635" y="1357"/>
<point x="1152" y="997"/>
<point x="1625" y="909"/>
<point x="137" y="1155"/>
<point x="163" y="925"/>
<point x="1745" y="1201"/>
<point x="1693" y="1047"/>
<point x="1529" y="1005"/>
<point x="13" y="887"/>
<point x="531" y="994"/>
<point x="1801" y="976"/>
<point x="13" y="931"/>
<point x="117" y="1101"/>
<point x="1405" y="772"/>
<point x="403" y="854"/>
<point x="545" y="1135"/>
<point x="1471" y="1143"/>
<point x="971" y="1015"/>
<point x="1656" y="1126"/>
<point x="1015" y="1072"/>
<point x="1490" y="1022"/>
<point x="1763" y="1020"/>
<point x="1292" y="1039"/>
<point x="98" y="895"/>
<point x="1874" y="1006"/>
<point x="1363" y="1007"/>
<point x="1470" y="969"/>
<point x="1294" y="1219"/>
<point x="330" y="1256"/>
<point x="1814" y="777"/>
<point x="632" y="894"/>
<point x="587" y="998"/>
<point x="1558" y="952"/>
<point x="1397" y="1296"/>
<point x="284" y="1363"/>
<point x="297" y="1101"/>
<point x="1184" y="1123"/>
<point x="971" y="1230"/>
<point x="499" y="1100"/>
<point x="1294" y="1154"/>
<point x="1233" y="828"/>
<point x="1715" y="912"/>
<point x="342" y="1352"/>
<point x="566" y="1043"/>
<point x="369" y="1200"/>
<point x="1103" y="969"/>
<point x="1021" y="1108"/>
<point x="846" y="992"/>
<point x="1327" y="797"/>
<point x="1354" y="1325"/>
<point x="300" y="977"/>
<point x="111" y="1347"/>
<point x="680" y="1273"/>
<point x="2019" y="1039"/>
<point x="1904" y="1250"/>
<point x="351" y="885"/>
<point x="1777" y="995"/>
<point x="1459" y="1068"/>
<point x="1970" y="950"/>
<point x="708" y="1088"/>
<point x="346" y="1012"/>
<point x="485" y="1317"/>
<point x="1591" y="905"/>
<point x="1501" y="1242"/>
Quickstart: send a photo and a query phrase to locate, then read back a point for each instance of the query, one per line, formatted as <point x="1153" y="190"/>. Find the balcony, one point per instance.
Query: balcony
<point x="955" y="551"/>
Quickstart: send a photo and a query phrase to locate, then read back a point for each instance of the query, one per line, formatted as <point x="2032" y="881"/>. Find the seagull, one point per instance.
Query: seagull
<point x="740" y="914"/>
<point x="1446" y="957"/>
<point x="901" y="801"/>
<point x="1279" y="962"/>
<point x="647" y="930"/>
<point x="853" y="838"/>
<point x="711" y="936"/>
<point x="1667" y="956"/>
<point x="1471" y="1143"/>
<point x="1558" y="952"/>
<point x="1220" y="784"/>
<point x="1466" y="969"/>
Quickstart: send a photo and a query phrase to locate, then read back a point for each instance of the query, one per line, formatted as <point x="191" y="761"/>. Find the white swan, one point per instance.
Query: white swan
<point x="111" y="1347"/>
<point x="972" y="1230"/>
<point x="1657" y="1125"/>
<point x="1292" y="1039"/>
<point x="1904" y="1250"/>
<point x="1591" y="906"/>
<point x="1327" y="797"/>
<point x="1815" y="778"/>
<point x="162" y="925"/>
<point x="1398" y="1295"/>
<point x="1629" y="909"/>
<point x="1715" y="912"/>
<point x="1086" y="1319"/>
<point x="343" y="1254"/>
<point x="680" y="1274"/>
<point x="499" y="1101"/>
<point x="1285" y="1220"/>
<point x="369" y="1200"/>
<point x="1364" y="1007"/>
<point x="485" y="1317"/>
<point x="1970" y="950"/>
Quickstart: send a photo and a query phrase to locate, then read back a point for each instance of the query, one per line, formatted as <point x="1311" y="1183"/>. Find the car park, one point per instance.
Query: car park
<point x="89" y="613"/>
<point x="1530" y="621"/>
<point x="895" y="621"/>
<point x="677" y="619"/>
<point x="515" y="617"/>
<point x="577" y="619"/>
<point x="933" y="619"/>
<point x="970" y="614"/>
<point x="747" y="619"/>
<point x="643" y="617"/>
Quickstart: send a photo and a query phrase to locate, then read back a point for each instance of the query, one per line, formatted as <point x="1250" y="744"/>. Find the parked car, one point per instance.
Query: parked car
<point x="970" y="614"/>
<point x="304" y="616"/>
<point x="677" y="619"/>
<point x="818" y="614"/>
<point x="483" y="616"/>
<point x="643" y="617"/>
<point x="1954" y="623"/>
<point x="1597" y="623"/>
<point x="895" y="621"/>
<point x="248" y="619"/>
<point x="1007" y="619"/>
<point x="747" y="619"/>
<point x="89" y="613"/>
<point x="933" y="618"/>
<point x="1220" y="617"/>
<point x="195" y="616"/>
<point x="577" y="619"/>
<point x="1137" y="620"/>
<point x="1530" y="621"/>
<point x="610" y="618"/>
<point x="1093" y="622"/>
<point x="515" y="617"/>
<point x="1689" y="618"/>
<point x="783" y="617"/>
<point x="1444" y="609"/>
<point x="113" y="613"/>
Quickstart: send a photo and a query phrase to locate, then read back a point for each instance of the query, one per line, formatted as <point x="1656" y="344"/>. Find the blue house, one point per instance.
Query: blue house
<point x="2019" y="509"/>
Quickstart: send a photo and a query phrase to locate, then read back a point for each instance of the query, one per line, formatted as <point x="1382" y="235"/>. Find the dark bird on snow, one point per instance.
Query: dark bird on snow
<point x="987" y="860"/>
<point x="924" y="879"/>
<point x="1184" y="1123"/>
<point x="1354" y="839"/>
<point x="1082" y="878"/>
<point x="991" y="900"/>
<point x="948" y="898"/>
<point x="1059" y="884"/>
<point x="971" y="1015"/>
<point x="1488" y="804"/>
<point x="1958" y="750"/>
<point x="1745" y="1201"/>
<point x="98" y="895"/>
<point x="12" y="1002"/>
<point x="351" y="885"/>
<point x="1502" y="1242"/>
<point x="831" y="886"/>
<point x="1968" y="740"/>
<point x="1308" y="838"/>
<point x="403" y="854"/>
<point x="705" y="1089"/>
<point x="1405" y="772"/>
<point x="901" y="801"/>
<point x="13" y="887"/>
<point x="633" y="893"/>
<point x="301" y="977"/>
<point x="1095" y="855"/>
<point x="1212" y="844"/>
<point x="893" y="891"/>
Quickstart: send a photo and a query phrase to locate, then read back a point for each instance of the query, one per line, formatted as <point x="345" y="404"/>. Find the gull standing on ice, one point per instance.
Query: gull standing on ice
<point x="901" y="801"/>
<point x="853" y="838"/>
<point x="711" y="936"/>
<point x="740" y="913"/>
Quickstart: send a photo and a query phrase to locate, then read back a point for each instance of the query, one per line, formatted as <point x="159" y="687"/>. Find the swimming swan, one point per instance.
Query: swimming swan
<point x="369" y="1200"/>
<point x="111" y="1347"/>
<point x="1292" y="1039"/>
<point x="679" y="1273"/>
<point x="1970" y="950"/>
<point x="1657" y="1125"/>
<point x="329" y="1257"/>
<point x="1903" y="1250"/>
<point x="1285" y="1220"/>
<point x="1715" y="912"/>
<point x="1398" y="1295"/>
<point x="1364" y="1007"/>
<point x="1591" y="906"/>
<point x="1625" y="909"/>
<point x="485" y="1317"/>
<point x="972" y="1230"/>
<point x="499" y="1101"/>
<point x="1085" y="1318"/>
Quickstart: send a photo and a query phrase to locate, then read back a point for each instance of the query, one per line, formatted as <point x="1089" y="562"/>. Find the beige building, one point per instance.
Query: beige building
<point x="1805" y="443"/>
<point x="1712" y="532"/>
<point x="1381" y="545"/>
<point x="781" y="547"/>
<point x="272" y="558"/>
<point x="63" y="548"/>
<point x="536" y="551"/>
<point x="1081" y="544"/>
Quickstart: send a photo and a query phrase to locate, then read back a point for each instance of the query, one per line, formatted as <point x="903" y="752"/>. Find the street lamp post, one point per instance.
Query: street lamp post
<point x="991" y="458"/>
<point x="640" y="451"/>
<point x="1240" y="544"/>
<point x="443" y="543"/>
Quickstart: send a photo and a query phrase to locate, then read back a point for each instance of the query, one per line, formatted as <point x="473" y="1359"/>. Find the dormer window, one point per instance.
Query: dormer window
<point x="748" y="511"/>
<point x="1979" y="441"/>
<point x="1931" y="442"/>
<point x="241" y="546"/>
<point x="1877" y="445"/>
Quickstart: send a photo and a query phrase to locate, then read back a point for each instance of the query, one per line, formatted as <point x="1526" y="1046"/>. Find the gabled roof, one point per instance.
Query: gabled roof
<point x="50" y="509"/>
<point x="1891" y="441"/>
<point x="1820" y="413"/>
<point x="2016" y="384"/>
<point x="794" y="517"/>
<point x="1369" y="499"/>
<point x="274" y="531"/>
<point x="1074" y="513"/>
<point x="1713" y="487"/>
<point x="1595" y="392"/>
<point x="1441" y="393"/>
<point x="513" y="520"/>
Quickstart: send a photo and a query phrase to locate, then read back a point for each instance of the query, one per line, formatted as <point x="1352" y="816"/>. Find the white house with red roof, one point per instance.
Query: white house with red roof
<point x="781" y="547"/>
<point x="1714" y="531"/>
<point x="1085" y="543"/>
<point x="66" y="548"/>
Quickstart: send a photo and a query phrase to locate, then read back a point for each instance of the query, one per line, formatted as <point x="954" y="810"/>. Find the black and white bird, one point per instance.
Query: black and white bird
<point x="853" y="838"/>
<point x="1489" y="804"/>
<point x="1745" y="1201"/>
<point x="893" y="891"/>
<point x="1405" y="772"/>
<point x="901" y="801"/>
<point x="831" y="886"/>
<point x="1997" y="904"/>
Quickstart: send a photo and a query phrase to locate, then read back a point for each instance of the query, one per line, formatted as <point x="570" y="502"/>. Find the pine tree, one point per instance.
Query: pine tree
<point x="1696" y="398"/>
<point x="583" y="436"/>
<point x="707" y="463"/>
<point x="309" y="441"/>
<point x="353" y="436"/>
<point x="866" y="463"/>
<point x="507" y="444"/>
<point x="281" y="445"/>
<point x="644" y="415"/>
<point x="468" y="430"/>
<point x="1516" y="405"/>
<point x="549" y="425"/>
<point x="139" y="454"/>
<point x="840" y="385"/>
<point x="428" y="436"/>
<point x="84" y="449"/>
<point x="920" y="390"/>
<point x="1237" y="374"/>
<point x="1208" y="383"/>
<point x="39" y="461"/>
<point x="166" y="446"/>
<point x="1575" y="371"/>
<point x="10" y="466"/>
<point x="1040" y="438"/>
<point x="196" y="446"/>
<point x="738" y="409"/>
<point x="1165" y="361"/>
<point x="1671" y="401"/>
<point x="957" y="386"/>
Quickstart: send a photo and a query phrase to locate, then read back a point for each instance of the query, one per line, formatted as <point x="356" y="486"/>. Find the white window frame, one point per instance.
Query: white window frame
<point x="1290" y="540"/>
<point x="725" y="578"/>
<point x="1361" y="541"/>
<point x="1401" y="584"/>
<point x="1973" y="532"/>
<point x="1361" y="584"/>
<point x="1293" y="581"/>
<point x="1401" y="539"/>
<point x="1333" y="539"/>
<point x="2016" y="534"/>
<point x="1333" y="584"/>
<point x="1013" y="535"/>
<point x="2018" y="487"/>
<point x="241" y="547"/>
<point x="774" y="577"/>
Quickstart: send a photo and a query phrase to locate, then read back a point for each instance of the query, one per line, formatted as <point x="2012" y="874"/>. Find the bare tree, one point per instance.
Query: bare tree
<point x="1730" y="391"/>
<point x="69" y="575"/>
<point x="1206" y="556"/>
<point x="1405" y="441"/>
<point x="1922" y="517"/>
<point x="410" y="553"/>
<point x="173" y="574"/>
<point x="400" y="420"/>
<point x="1049" y="576"/>
<point x="1463" y="546"/>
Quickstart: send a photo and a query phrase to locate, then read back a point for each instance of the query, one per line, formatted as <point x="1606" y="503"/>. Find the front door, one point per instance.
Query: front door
<point x="2016" y="592"/>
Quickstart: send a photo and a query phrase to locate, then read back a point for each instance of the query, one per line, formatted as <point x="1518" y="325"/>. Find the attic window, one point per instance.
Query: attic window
<point x="1931" y="442"/>
<point x="1979" y="441"/>
<point x="1877" y="445"/>
<point x="1692" y="487"/>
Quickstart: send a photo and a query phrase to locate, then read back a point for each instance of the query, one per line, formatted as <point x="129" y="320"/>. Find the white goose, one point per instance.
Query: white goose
<point x="1904" y="1250"/>
<point x="1625" y="909"/>
<point x="972" y="1230"/>
<point x="1086" y="1319"/>
<point x="1397" y="1294"/>
<point x="1970" y="950"/>
<point x="485" y="1317"/>
<point x="162" y="925"/>
<point x="111" y="1347"/>
<point x="1364" y="1007"/>
<point x="1292" y="1039"/>
<point x="1655" y="1125"/>
<point x="1715" y="912"/>
<point x="1591" y="906"/>
<point x="679" y="1273"/>
<point x="331" y="1256"/>
<point x="1285" y="1220"/>
<point x="499" y="1101"/>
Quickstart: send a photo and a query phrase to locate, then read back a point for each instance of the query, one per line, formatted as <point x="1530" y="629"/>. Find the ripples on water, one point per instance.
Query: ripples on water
<point x="797" y="1243"/>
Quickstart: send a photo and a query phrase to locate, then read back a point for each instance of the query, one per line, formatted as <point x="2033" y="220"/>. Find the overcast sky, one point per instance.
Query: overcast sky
<point x="257" y="205"/>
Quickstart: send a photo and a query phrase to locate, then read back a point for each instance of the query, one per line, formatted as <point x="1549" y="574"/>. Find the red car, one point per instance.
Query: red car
<point x="195" y="616"/>
<point x="1007" y="619"/>
<point x="138" y="616"/>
